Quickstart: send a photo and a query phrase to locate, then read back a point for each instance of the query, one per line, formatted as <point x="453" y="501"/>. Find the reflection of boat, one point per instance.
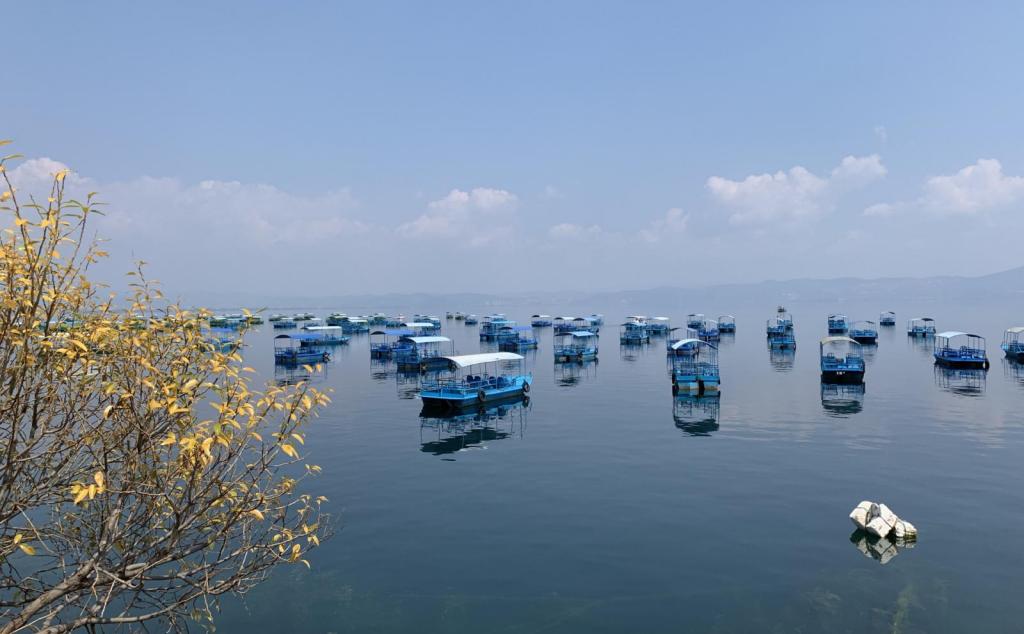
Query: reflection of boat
<point x="782" y="359"/>
<point x="442" y="435"/>
<point x="841" y="399"/>
<point x="292" y="374"/>
<point x="568" y="374"/>
<point x="696" y="415"/>
<point x="961" y="381"/>
<point x="1013" y="369"/>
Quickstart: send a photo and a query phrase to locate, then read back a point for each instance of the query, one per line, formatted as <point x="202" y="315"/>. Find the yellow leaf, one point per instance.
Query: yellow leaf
<point x="288" y="449"/>
<point x="17" y="538"/>
<point x="256" y="513"/>
<point x="98" y="477"/>
<point x="299" y="439"/>
<point x="168" y="441"/>
<point x="82" y="494"/>
<point x="28" y="550"/>
<point x="106" y="411"/>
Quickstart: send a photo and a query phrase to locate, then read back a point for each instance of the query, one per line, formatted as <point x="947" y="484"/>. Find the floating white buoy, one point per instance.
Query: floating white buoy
<point x="880" y="521"/>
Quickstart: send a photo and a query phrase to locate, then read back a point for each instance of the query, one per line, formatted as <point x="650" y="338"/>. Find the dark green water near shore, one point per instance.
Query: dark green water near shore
<point x="606" y="505"/>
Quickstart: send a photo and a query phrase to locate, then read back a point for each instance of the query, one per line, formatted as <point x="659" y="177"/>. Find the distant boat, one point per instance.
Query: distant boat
<point x="472" y="320"/>
<point x="422" y="352"/>
<point x="295" y="349"/>
<point x="465" y="389"/>
<point x="285" y="323"/>
<point x="575" y="346"/>
<point x="633" y="333"/>
<point x="1013" y="346"/>
<point x="841" y="360"/>
<point x="384" y="342"/>
<point x="921" y="327"/>
<point x="658" y="326"/>
<point x="708" y="330"/>
<point x="726" y="324"/>
<point x="327" y="335"/>
<point x="696" y="373"/>
<point x="516" y="339"/>
<point x="955" y="349"/>
<point x="887" y="318"/>
<point x="838" y="324"/>
<point x="541" y="321"/>
<point x="864" y="332"/>
<point x="693" y="320"/>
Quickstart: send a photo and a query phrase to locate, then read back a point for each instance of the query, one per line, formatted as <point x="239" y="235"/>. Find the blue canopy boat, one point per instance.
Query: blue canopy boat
<point x="634" y="333"/>
<point x="517" y="339"/>
<point x="336" y="319"/>
<point x="694" y="320"/>
<point x="696" y="373"/>
<point x="422" y="352"/>
<point x="708" y="330"/>
<point x="276" y="317"/>
<point x="491" y="329"/>
<point x="683" y="347"/>
<point x="579" y="345"/>
<point x="838" y="324"/>
<point x="841" y="360"/>
<point x="472" y="320"/>
<point x="299" y="348"/>
<point x="223" y="339"/>
<point x="957" y="349"/>
<point x="329" y="335"/>
<point x="864" y="332"/>
<point x="585" y="323"/>
<point x="562" y="325"/>
<point x="354" y="325"/>
<point x="888" y="318"/>
<point x="384" y="342"/>
<point x="921" y="327"/>
<point x="659" y="326"/>
<point x="541" y="321"/>
<point x="1012" y="345"/>
<point x="726" y="324"/>
<point x="421" y="327"/>
<point x="465" y="389"/>
<point x="597" y="319"/>
<point x="780" y="332"/>
<point x="285" y="323"/>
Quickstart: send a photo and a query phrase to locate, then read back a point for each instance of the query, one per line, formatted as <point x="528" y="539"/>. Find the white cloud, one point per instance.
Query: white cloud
<point x="793" y="194"/>
<point x="976" y="188"/>
<point x="459" y="213"/>
<point x="673" y="223"/>
<point x="882" y="133"/>
<point x="570" y="231"/>
<point x="882" y="209"/>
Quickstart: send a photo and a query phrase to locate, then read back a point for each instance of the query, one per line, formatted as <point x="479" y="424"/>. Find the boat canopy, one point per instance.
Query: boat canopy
<point x="949" y="334"/>
<point x="579" y="333"/>
<point x="323" y="328"/>
<point x="466" y="360"/>
<point x="422" y="340"/>
<point x="419" y="324"/>
<point x="1015" y="330"/>
<point x="665" y="319"/>
<point x="828" y="340"/>
<point x="301" y="336"/>
<point x="541" y="317"/>
<point x="682" y="343"/>
<point x="922" y="319"/>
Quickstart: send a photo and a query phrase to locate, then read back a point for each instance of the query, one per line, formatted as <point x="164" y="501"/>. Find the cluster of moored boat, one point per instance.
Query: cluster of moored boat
<point x="416" y="345"/>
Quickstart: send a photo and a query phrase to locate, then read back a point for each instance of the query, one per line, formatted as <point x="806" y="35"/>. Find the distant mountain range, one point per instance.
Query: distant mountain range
<point x="847" y="289"/>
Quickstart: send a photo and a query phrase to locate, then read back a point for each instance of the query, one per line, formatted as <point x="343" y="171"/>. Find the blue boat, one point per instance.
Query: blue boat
<point x="384" y="342"/>
<point x="888" y="318"/>
<point x="422" y="352"/>
<point x="541" y="321"/>
<point x="696" y="373"/>
<point x="463" y="388"/>
<point x="708" y="330"/>
<point x="285" y="323"/>
<point x="223" y="339"/>
<point x="781" y="335"/>
<point x="955" y="349"/>
<point x="597" y="320"/>
<point x="1012" y="345"/>
<point x="298" y="349"/>
<point x="838" y="325"/>
<point x="422" y="327"/>
<point x="336" y="319"/>
<point x="355" y="326"/>
<point x="921" y="327"/>
<point x="472" y="320"/>
<point x="684" y="347"/>
<point x="491" y="329"/>
<point x="726" y="324"/>
<point x="585" y="323"/>
<point x="517" y="339"/>
<point x="841" y="360"/>
<point x="634" y="333"/>
<point x="562" y="325"/>
<point x="659" y="326"/>
<point x="276" y="317"/>
<point x="328" y="335"/>
<point x="576" y="346"/>
<point x="694" y="320"/>
<point x="864" y="332"/>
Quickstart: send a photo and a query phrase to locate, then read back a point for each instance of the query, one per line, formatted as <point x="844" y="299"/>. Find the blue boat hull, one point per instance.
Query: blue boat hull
<point x="449" y="398"/>
<point x="962" y="362"/>
<point x="842" y="376"/>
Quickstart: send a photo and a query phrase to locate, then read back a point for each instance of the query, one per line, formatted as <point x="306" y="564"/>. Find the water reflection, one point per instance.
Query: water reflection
<point x="1013" y="370"/>
<point x="961" y="381"/>
<point x="407" y="384"/>
<point x="633" y="352"/>
<point x="880" y="549"/>
<point x="782" y="360"/>
<point x="696" y="415"/>
<point x="842" y="400"/>
<point x="569" y="374"/>
<point x="869" y="351"/>
<point x="445" y="435"/>
<point x="924" y="346"/>
<point x="292" y="374"/>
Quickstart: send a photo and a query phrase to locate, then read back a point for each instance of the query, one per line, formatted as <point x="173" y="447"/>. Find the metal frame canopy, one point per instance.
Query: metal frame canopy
<point x="421" y="340"/>
<point x="950" y="334"/>
<point x="419" y="324"/>
<point x="685" y="342"/>
<point x="466" y="360"/>
<point x="828" y="340"/>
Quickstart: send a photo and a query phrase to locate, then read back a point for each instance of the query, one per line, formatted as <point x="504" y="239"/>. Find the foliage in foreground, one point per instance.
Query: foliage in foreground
<point x="142" y="474"/>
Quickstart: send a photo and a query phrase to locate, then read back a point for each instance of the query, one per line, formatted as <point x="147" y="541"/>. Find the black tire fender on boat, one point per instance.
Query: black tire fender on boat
<point x="481" y="395"/>
<point x="986" y="364"/>
<point x="675" y="388"/>
<point x="526" y="387"/>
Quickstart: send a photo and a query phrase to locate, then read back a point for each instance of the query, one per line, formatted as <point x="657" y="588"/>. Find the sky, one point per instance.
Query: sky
<point x="378" y="147"/>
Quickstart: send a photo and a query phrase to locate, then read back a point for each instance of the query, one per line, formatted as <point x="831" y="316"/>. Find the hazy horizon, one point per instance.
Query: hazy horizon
<point x="463" y="148"/>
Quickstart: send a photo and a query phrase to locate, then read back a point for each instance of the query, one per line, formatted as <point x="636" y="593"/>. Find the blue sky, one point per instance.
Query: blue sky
<point x="525" y="145"/>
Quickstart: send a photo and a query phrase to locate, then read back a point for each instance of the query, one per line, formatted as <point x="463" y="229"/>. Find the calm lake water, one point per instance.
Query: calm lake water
<point x="606" y="505"/>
